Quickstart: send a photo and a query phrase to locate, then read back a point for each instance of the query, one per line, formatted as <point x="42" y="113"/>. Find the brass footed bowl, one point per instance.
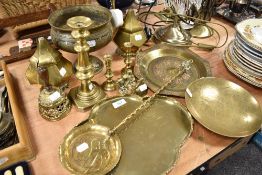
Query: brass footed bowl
<point x="101" y="30"/>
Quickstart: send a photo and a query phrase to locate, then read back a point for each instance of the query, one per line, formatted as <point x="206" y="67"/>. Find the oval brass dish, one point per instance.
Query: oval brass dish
<point x="151" y="144"/>
<point x="159" y="63"/>
<point x="78" y="150"/>
<point x="223" y="107"/>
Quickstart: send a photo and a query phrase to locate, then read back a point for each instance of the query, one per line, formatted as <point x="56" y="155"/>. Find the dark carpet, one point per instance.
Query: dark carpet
<point x="247" y="161"/>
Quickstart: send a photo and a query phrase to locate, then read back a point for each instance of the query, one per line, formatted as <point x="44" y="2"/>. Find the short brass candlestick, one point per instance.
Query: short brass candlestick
<point x="127" y="83"/>
<point x="109" y="84"/>
<point x="88" y="93"/>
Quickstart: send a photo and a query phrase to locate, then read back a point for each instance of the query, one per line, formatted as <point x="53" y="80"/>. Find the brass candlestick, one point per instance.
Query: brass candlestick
<point x="109" y="84"/>
<point x="127" y="83"/>
<point x="88" y="93"/>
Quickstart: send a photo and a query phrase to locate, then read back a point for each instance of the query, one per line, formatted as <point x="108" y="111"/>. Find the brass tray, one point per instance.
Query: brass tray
<point x="79" y="149"/>
<point x="159" y="63"/>
<point x="151" y="144"/>
<point x="223" y="107"/>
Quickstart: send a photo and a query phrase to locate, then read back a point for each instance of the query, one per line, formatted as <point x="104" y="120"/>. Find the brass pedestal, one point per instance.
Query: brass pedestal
<point x="201" y="31"/>
<point x="109" y="86"/>
<point x="84" y="100"/>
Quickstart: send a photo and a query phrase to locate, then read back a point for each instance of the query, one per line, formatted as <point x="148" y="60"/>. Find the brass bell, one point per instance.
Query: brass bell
<point x="132" y="31"/>
<point x="48" y="68"/>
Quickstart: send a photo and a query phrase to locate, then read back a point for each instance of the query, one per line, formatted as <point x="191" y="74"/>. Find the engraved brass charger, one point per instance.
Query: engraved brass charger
<point x="152" y="141"/>
<point x="78" y="150"/>
<point x="223" y="107"/>
<point x="159" y="63"/>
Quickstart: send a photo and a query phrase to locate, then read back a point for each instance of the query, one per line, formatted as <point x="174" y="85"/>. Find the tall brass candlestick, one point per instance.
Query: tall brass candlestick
<point x="88" y="93"/>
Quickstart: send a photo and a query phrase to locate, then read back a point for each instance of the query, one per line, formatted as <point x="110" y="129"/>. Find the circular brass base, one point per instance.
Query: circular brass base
<point x="201" y="31"/>
<point x="172" y="34"/>
<point x="84" y="100"/>
<point x="88" y="149"/>
<point x="109" y="86"/>
<point x="55" y="111"/>
<point x="96" y="62"/>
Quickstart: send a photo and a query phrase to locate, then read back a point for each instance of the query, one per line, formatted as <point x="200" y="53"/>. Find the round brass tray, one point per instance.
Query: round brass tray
<point x="151" y="144"/>
<point x="80" y="148"/>
<point x="223" y="107"/>
<point x="159" y="63"/>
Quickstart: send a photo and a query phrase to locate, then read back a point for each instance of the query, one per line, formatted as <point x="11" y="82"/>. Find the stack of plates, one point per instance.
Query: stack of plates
<point x="8" y="134"/>
<point x="243" y="56"/>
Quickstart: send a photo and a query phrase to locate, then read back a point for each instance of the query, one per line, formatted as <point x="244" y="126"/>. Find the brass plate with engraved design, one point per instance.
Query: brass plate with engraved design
<point x="151" y="144"/>
<point x="223" y="107"/>
<point x="159" y="63"/>
<point x="84" y="150"/>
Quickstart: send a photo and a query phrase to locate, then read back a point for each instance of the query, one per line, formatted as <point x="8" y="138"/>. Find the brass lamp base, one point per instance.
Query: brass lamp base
<point x="201" y="31"/>
<point x="53" y="104"/>
<point x="173" y="34"/>
<point x="109" y="86"/>
<point x="84" y="100"/>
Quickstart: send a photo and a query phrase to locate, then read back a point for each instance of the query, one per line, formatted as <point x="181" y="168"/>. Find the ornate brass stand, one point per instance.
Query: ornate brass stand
<point x="88" y="93"/>
<point x="109" y="84"/>
<point x="127" y="83"/>
<point x="53" y="103"/>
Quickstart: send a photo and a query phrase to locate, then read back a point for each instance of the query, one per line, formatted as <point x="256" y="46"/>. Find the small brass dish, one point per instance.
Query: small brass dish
<point x="159" y="63"/>
<point x="78" y="150"/>
<point x="150" y="145"/>
<point x="223" y="107"/>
